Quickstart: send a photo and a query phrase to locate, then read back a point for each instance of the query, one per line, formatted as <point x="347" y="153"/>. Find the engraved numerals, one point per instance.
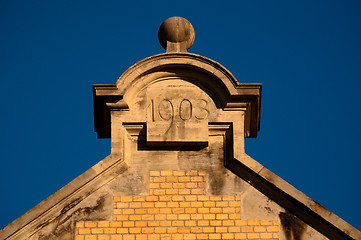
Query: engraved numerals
<point x="184" y="110"/>
<point x="201" y="109"/>
<point x="165" y="110"/>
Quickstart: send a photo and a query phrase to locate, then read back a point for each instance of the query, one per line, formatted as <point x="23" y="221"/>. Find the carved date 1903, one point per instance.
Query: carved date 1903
<point x="186" y="109"/>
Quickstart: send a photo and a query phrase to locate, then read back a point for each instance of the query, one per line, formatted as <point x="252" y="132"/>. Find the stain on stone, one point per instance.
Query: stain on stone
<point x="71" y="205"/>
<point x="62" y="227"/>
<point x="216" y="181"/>
<point x="293" y="227"/>
<point x="87" y="211"/>
<point x="269" y="210"/>
<point x="41" y="225"/>
<point x="267" y="207"/>
<point x="64" y="232"/>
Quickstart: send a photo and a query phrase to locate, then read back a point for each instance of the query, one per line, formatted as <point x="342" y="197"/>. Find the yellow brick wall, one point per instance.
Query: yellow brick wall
<point x="177" y="207"/>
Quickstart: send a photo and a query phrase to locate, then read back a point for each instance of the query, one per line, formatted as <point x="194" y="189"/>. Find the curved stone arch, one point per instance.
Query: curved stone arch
<point x="209" y="75"/>
<point x="218" y="94"/>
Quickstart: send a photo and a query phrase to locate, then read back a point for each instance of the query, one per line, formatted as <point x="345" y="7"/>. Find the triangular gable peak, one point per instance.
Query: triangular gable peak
<point x="178" y="168"/>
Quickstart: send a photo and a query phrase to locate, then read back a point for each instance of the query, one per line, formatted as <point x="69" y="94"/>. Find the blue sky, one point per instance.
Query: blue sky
<point x="306" y="54"/>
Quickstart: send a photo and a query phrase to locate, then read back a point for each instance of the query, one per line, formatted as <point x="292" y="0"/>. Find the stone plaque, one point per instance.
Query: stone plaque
<point x="177" y="114"/>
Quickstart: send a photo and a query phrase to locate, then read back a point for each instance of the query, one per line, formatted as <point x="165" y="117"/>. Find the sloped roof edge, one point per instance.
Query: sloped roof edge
<point x="291" y="199"/>
<point x="78" y="189"/>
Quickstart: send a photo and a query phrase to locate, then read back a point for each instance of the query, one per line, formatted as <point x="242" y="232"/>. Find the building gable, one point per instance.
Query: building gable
<point x="178" y="167"/>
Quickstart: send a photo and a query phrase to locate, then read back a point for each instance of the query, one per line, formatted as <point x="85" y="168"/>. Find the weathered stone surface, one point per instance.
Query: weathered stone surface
<point x="177" y="113"/>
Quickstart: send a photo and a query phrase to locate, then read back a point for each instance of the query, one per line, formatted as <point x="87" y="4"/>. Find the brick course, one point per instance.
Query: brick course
<point x="177" y="208"/>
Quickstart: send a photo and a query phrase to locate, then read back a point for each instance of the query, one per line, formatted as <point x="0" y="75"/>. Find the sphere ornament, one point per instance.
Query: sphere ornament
<point x="176" y="34"/>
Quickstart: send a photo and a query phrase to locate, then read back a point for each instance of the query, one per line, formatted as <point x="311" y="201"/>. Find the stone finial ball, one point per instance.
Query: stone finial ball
<point x="176" y="30"/>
